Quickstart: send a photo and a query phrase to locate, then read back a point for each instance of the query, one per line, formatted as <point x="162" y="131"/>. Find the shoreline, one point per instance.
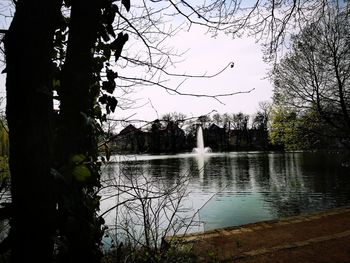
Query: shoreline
<point x="292" y="239"/>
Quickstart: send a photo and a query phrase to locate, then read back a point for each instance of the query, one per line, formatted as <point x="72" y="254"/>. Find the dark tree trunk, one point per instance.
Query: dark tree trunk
<point x="79" y="224"/>
<point x="28" y="49"/>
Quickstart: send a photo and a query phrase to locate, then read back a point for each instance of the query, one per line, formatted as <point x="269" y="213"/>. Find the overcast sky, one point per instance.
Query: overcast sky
<point x="205" y="54"/>
<point x="209" y="55"/>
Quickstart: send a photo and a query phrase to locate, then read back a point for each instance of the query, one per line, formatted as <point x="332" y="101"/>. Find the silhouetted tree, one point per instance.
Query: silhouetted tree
<point x="261" y="118"/>
<point x="176" y="117"/>
<point x="28" y="49"/>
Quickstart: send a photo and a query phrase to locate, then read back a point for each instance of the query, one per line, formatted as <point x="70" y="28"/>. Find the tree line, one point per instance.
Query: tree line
<point x="174" y="132"/>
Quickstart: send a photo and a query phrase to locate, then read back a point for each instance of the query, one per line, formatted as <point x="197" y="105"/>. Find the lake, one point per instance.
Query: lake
<point x="230" y="189"/>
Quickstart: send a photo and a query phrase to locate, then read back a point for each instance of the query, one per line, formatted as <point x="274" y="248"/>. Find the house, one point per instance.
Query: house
<point x="130" y="139"/>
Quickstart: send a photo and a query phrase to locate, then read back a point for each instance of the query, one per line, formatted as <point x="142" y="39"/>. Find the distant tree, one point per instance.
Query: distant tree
<point x="240" y="121"/>
<point x="227" y="120"/>
<point x="261" y="118"/>
<point x="259" y="121"/>
<point x="217" y="119"/>
<point x="175" y="117"/>
<point x="204" y="120"/>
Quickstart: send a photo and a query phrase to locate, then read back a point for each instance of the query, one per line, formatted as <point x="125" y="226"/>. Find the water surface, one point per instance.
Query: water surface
<point x="228" y="189"/>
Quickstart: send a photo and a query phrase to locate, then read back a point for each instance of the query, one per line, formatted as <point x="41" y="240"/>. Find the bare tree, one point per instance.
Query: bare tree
<point x="261" y="118"/>
<point x="148" y="211"/>
<point x="240" y="121"/>
<point x="176" y="117"/>
<point x="269" y="21"/>
<point x="152" y="24"/>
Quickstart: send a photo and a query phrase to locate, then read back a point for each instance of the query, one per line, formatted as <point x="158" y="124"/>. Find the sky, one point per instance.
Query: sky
<point x="208" y="55"/>
<point x="205" y="54"/>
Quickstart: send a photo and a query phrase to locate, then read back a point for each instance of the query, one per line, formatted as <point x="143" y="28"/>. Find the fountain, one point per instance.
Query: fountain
<point x="200" y="143"/>
<point x="200" y="152"/>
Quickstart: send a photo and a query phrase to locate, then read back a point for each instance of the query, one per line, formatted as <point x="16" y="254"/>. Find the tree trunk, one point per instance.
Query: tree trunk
<point x="28" y="50"/>
<point x="79" y="226"/>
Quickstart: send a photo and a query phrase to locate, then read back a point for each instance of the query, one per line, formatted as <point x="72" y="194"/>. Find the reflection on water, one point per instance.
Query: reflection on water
<point x="238" y="188"/>
<point x="201" y="159"/>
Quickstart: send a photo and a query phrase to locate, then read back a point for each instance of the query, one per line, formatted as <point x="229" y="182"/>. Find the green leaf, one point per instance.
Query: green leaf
<point x="81" y="173"/>
<point x="126" y="3"/>
<point x="78" y="158"/>
<point x="97" y="111"/>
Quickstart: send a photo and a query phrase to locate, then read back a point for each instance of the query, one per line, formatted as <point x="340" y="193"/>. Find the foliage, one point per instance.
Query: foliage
<point x="283" y="130"/>
<point x="314" y="76"/>
<point x="294" y="131"/>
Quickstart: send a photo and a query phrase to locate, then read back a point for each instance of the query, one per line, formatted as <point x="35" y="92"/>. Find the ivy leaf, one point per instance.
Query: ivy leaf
<point x="97" y="111"/>
<point x="111" y="75"/>
<point x="98" y="63"/>
<point x="56" y="84"/>
<point x="107" y="53"/>
<point x="110" y="14"/>
<point x="77" y="159"/>
<point x="126" y="3"/>
<point x="103" y="99"/>
<point x="95" y="90"/>
<point x="104" y="33"/>
<point x="81" y="173"/>
<point x="110" y="30"/>
<point x="108" y="86"/>
<point x="112" y="103"/>
<point x="118" y="44"/>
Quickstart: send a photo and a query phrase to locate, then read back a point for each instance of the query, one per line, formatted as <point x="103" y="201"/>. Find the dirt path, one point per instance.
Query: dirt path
<point x="318" y="237"/>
